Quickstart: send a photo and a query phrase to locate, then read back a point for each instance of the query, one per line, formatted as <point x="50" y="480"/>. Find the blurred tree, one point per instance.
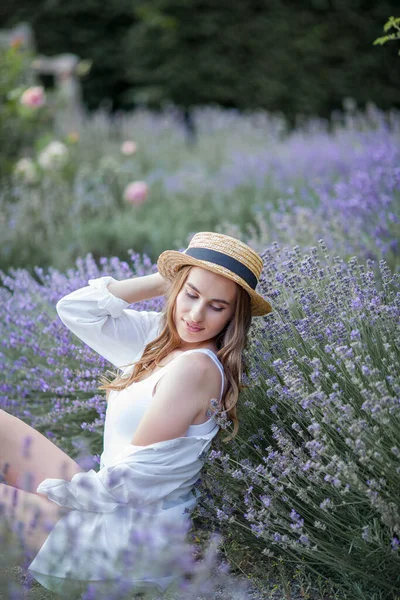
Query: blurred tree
<point x="277" y="54"/>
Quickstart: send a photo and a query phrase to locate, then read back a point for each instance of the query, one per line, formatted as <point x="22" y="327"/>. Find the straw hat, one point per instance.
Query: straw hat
<point x="224" y="255"/>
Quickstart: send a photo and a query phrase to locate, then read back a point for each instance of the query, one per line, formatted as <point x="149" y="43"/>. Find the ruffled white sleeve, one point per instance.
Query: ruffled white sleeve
<point x="105" y="324"/>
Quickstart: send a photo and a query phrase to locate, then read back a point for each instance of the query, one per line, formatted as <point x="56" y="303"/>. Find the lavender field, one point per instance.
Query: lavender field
<point x="140" y="182"/>
<point x="307" y="496"/>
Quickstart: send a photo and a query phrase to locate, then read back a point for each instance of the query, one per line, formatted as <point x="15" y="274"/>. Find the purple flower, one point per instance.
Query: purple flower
<point x="395" y="543"/>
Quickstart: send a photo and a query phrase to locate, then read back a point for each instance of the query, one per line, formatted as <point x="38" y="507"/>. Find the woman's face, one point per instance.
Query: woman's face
<point x="206" y="302"/>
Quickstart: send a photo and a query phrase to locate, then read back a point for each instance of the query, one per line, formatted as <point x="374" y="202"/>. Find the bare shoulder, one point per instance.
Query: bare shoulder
<point x="196" y="369"/>
<point x="196" y="362"/>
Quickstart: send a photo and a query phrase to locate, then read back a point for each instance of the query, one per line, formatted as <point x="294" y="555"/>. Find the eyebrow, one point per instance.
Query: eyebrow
<point x="212" y="299"/>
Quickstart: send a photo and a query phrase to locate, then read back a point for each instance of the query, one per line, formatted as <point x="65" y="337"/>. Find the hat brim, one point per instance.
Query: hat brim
<point x="170" y="261"/>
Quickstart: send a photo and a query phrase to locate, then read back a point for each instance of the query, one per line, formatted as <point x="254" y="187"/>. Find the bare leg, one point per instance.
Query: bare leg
<point x="25" y="521"/>
<point x="27" y="457"/>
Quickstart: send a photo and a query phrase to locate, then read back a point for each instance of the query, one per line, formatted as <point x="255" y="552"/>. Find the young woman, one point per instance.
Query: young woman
<point x="176" y="368"/>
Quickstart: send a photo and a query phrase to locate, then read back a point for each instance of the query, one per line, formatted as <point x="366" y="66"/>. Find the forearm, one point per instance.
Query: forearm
<point x="137" y="289"/>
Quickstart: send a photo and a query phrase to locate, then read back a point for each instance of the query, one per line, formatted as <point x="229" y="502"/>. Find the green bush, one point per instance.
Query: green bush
<point x="20" y="125"/>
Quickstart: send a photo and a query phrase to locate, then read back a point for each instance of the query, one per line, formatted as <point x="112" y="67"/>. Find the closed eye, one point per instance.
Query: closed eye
<point x="213" y="307"/>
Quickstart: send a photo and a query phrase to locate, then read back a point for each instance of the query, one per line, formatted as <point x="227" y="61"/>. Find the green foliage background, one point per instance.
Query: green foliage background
<point x="297" y="58"/>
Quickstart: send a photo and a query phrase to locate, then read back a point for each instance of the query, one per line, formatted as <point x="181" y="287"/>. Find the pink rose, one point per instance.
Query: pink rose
<point x="128" y="147"/>
<point x="136" y="192"/>
<point x="33" y="97"/>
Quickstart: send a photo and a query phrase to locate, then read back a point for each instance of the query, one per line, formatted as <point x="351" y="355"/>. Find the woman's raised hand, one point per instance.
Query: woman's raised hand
<point x="137" y="289"/>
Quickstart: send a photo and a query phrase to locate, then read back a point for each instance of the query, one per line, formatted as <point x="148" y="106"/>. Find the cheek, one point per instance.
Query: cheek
<point x="220" y="320"/>
<point x="181" y="304"/>
<point x="226" y="319"/>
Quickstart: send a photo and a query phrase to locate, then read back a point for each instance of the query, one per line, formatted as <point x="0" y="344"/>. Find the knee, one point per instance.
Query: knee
<point x="4" y="418"/>
<point x="6" y="426"/>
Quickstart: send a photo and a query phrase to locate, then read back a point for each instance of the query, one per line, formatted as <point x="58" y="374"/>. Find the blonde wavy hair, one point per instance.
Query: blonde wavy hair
<point x="230" y="342"/>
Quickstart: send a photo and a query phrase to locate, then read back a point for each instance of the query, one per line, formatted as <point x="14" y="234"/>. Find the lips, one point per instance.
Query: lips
<point x="193" y="328"/>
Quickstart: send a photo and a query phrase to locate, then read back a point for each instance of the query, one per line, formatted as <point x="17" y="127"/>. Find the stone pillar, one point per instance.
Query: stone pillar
<point x="68" y="93"/>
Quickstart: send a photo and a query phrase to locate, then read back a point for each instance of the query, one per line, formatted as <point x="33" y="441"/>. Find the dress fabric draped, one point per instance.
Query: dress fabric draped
<point x="121" y="521"/>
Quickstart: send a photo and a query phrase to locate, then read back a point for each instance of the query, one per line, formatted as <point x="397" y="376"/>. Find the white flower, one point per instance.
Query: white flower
<point x="26" y="169"/>
<point x="55" y="155"/>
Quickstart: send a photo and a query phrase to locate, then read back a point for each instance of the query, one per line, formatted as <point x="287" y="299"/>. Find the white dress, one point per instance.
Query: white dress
<point x="121" y="514"/>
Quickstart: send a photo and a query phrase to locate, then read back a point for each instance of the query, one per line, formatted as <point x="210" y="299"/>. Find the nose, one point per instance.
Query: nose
<point x="196" y="314"/>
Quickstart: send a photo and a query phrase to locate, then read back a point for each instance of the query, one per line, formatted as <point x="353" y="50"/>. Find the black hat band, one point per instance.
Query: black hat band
<point x="224" y="261"/>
